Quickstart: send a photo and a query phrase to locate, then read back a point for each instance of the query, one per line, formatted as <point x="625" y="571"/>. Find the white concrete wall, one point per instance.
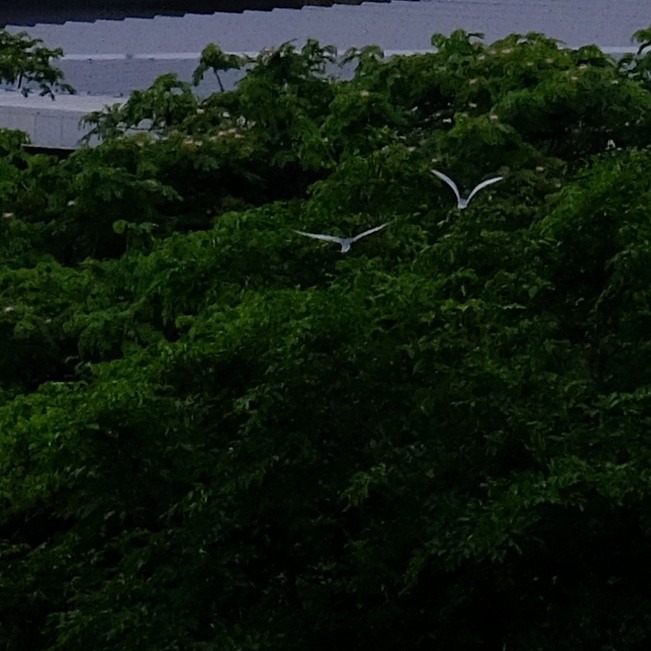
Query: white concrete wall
<point x="49" y="123"/>
<point x="397" y="25"/>
<point x="109" y="57"/>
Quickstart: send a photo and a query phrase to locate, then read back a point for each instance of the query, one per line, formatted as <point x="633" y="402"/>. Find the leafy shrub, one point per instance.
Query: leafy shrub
<point x="216" y="433"/>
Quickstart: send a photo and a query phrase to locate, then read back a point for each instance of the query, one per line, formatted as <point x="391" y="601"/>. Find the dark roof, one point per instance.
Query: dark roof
<point x="30" y="12"/>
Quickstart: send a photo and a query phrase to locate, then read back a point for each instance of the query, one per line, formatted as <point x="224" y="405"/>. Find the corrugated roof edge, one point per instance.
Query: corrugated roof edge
<point x="31" y="12"/>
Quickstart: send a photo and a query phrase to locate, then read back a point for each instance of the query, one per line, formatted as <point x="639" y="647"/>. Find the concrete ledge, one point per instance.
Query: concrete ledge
<point x="50" y="123"/>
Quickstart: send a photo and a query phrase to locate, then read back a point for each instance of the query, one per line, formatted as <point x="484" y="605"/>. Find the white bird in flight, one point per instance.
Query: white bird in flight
<point x="344" y="241"/>
<point x="462" y="202"/>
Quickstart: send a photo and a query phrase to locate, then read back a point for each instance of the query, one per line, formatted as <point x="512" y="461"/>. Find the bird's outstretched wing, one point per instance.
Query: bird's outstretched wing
<point x="321" y="236"/>
<point x="449" y="181"/>
<point x="368" y="232"/>
<point x="483" y="184"/>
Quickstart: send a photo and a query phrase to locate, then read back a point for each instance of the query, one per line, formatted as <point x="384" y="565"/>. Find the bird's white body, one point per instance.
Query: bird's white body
<point x="345" y="242"/>
<point x="462" y="202"/>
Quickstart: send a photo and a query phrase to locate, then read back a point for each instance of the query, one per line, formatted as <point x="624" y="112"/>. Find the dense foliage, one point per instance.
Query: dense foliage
<point x="26" y="64"/>
<point x="218" y="434"/>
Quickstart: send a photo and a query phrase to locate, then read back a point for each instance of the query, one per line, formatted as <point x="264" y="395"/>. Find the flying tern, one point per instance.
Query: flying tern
<point x="462" y="202"/>
<point x="344" y="241"/>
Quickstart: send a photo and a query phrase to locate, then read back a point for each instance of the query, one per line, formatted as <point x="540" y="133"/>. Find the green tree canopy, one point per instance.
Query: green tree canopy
<point x="25" y="63"/>
<point x="218" y="434"/>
